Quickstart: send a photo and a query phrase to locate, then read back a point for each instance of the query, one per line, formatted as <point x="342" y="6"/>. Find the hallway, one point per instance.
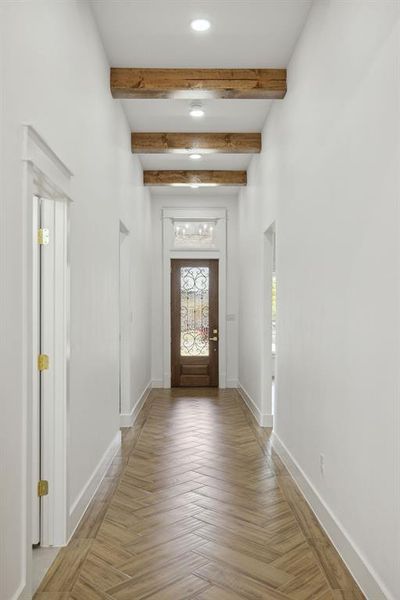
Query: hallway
<point x="197" y="505"/>
<point x="200" y="299"/>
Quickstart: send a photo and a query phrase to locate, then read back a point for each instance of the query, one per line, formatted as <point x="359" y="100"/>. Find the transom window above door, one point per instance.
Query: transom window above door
<point x="194" y="234"/>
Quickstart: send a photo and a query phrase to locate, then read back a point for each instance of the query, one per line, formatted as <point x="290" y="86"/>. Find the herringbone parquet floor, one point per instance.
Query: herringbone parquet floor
<point x="197" y="505"/>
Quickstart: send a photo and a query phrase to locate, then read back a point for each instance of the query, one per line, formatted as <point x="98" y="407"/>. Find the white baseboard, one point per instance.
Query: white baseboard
<point x="128" y="419"/>
<point x="358" y="566"/>
<point x="81" y="503"/>
<point x="157" y="383"/>
<point x="262" y="420"/>
<point x="23" y="592"/>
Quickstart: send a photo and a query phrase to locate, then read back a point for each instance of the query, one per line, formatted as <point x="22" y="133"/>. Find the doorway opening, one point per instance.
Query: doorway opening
<point x="269" y="371"/>
<point x="273" y="320"/>
<point x="194" y="323"/>
<point x="125" y="318"/>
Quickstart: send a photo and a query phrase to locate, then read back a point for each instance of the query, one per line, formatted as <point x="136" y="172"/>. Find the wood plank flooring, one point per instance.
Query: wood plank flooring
<point x="197" y="505"/>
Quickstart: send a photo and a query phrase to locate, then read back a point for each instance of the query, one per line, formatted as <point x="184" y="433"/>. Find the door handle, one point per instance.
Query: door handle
<point x="214" y="339"/>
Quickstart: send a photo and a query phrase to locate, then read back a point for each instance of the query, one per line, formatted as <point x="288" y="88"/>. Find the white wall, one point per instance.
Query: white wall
<point x="328" y="175"/>
<point x="55" y="76"/>
<point x="158" y="203"/>
<point x="135" y="213"/>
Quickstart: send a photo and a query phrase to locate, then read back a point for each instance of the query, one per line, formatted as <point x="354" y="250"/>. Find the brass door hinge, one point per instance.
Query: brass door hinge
<point x="43" y="237"/>
<point x="42" y="488"/>
<point x="43" y="362"/>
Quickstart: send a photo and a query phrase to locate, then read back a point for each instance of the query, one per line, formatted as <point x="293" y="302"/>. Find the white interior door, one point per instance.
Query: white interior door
<point x="44" y="393"/>
<point x="124" y="320"/>
<point x="36" y="412"/>
<point x="47" y="346"/>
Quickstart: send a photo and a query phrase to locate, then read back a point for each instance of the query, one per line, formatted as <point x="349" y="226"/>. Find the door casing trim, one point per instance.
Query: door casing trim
<point x="43" y="173"/>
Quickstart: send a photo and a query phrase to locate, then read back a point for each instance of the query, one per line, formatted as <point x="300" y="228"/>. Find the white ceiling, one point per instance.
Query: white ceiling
<point x="157" y="33"/>
<point x="206" y="192"/>
<point x="173" y="115"/>
<point x="209" y="161"/>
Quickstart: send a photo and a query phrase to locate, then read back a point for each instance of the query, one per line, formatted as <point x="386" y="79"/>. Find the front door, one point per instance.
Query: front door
<point x="194" y="323"/>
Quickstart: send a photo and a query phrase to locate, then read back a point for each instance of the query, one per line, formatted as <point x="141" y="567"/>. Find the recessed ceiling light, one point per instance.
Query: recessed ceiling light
<point x="195" y="186"/>
<point x="200" y="24"/>
<point x="195" y="156"/>
<point x="196" y="111"/>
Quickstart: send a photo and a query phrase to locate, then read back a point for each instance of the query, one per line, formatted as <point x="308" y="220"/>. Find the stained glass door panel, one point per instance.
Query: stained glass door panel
<point x="194" y="319"/>
<point x="194" y="311"/>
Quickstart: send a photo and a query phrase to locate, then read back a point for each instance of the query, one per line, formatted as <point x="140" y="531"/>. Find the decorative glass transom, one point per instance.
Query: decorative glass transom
<point x="194" y="234"/>
<point x="194" y="311"/>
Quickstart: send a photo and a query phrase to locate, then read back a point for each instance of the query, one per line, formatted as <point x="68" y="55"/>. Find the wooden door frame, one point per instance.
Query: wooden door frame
<point x="175" y="315"/>
<point x="44" y="174"/>
<point x="169" y="215"/>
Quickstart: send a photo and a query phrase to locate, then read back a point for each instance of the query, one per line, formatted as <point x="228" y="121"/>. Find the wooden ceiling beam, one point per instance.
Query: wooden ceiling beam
<point x="182" y="178"/>
<point x="202" y="143"/>
<point x="198" y="84"/>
